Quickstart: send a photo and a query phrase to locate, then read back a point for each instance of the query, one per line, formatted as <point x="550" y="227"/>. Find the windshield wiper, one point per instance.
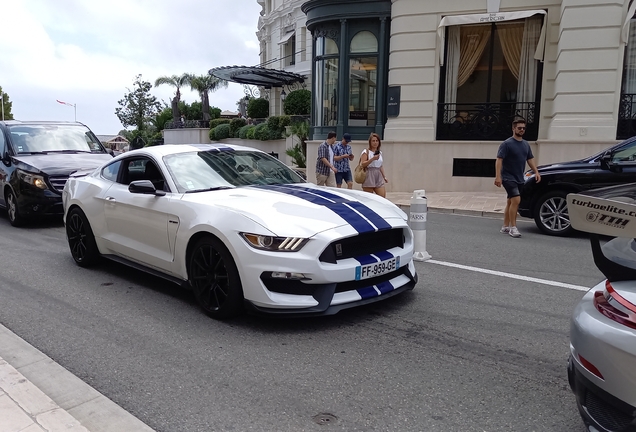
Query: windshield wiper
<point x="68" y="151"/>
<point x="209" y="189"/>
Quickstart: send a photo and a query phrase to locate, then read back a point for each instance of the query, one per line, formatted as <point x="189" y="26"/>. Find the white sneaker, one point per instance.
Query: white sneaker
<point x="504" y="230"/>
<point x="514" y="232"/>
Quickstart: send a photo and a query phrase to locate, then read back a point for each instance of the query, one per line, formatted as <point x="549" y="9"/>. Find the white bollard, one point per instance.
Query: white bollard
<point x="417" y="222"/>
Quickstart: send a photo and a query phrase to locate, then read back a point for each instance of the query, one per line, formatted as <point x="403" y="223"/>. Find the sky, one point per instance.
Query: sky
<point x="88" y="52"/>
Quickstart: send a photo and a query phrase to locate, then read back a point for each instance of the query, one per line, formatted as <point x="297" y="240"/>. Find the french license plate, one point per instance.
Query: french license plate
<point x="377" y="269"/>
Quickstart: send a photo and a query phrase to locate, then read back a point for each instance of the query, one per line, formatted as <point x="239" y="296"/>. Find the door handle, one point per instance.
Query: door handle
<point x="111" y="199"/>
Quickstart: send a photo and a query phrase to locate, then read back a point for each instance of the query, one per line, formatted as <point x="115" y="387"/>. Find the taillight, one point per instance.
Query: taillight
<point x="615" y="307"/>
<point x="589" y="366"/>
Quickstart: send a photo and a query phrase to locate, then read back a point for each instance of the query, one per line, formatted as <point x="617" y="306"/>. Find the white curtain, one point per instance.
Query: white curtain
<point x="452" y="64"/>
<point x="629" y="82"/>
<point x="528" y="67"/>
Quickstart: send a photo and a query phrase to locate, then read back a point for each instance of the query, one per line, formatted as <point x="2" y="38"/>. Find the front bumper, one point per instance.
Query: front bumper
<point x="597" y="407"/>
<point x="34" y="202"/>
<point x="327" y="296"/>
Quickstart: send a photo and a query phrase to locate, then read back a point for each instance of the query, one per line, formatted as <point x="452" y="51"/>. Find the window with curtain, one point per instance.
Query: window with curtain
<point x="363" y="72"/>
<point x="492" y="62"/>
<point x="326" y="82"/>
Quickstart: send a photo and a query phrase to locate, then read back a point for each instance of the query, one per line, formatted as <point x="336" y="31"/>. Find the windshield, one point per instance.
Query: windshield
<point x="53" y="139"/>
<point x="206" y="170"/>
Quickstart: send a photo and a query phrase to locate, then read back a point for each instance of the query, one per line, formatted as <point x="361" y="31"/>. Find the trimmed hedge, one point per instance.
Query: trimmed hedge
<point x="220" y="132"/>
<point x="242" y="133"/>
<point x="258" y="108"/>
<point x="262" y="132"/>
<point x="214" y="123"/>
<point x="297" y="102"/>
<point x="235" y="125"/>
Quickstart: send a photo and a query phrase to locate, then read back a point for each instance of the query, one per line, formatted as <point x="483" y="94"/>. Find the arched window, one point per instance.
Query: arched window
<point x="363" y="75"/>
<point x="326" y="82"/>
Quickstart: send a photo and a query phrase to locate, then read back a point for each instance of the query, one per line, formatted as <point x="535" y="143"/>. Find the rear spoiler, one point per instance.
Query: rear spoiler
<point x="609" y="211"/>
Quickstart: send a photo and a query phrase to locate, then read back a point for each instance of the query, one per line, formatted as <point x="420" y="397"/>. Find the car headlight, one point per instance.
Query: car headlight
<point x="32" y="179"/>
<point x="275" y="244"/>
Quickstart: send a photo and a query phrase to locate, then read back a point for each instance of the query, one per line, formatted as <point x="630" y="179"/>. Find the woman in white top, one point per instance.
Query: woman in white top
<point x="371" y="159"/>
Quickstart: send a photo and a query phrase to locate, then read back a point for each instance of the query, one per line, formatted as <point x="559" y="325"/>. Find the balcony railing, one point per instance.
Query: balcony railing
<point x="485" y="121"/>
<point x="187" y="124"/>
<point x="626" y="116"/>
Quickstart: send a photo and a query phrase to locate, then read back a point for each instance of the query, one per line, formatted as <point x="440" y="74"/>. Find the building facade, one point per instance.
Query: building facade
<point x="441" y="81"/>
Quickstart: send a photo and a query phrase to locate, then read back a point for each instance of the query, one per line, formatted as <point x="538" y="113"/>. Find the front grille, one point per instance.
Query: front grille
<point x="297" y="287"/>
<point x="607" y="415"/>
<point x="58" y="182"/>
<point x="363" y="244"/>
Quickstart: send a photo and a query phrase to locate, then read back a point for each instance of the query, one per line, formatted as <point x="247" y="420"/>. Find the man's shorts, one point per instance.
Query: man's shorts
<point x="345" y="175"/>
<point x="512" y="188"/>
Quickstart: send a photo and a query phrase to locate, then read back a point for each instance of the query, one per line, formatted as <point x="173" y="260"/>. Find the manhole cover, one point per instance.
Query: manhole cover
<point x="325" y="418"/>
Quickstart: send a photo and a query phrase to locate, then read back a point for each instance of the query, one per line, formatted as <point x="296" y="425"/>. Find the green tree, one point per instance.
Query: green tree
<point x="258" y="108"/>
<point x="6" y="105"/>
<point x="204" y="84"/>
<point x="177" y="82"/>
<point x="298" y="102"/>
<point x="138" y="108"/>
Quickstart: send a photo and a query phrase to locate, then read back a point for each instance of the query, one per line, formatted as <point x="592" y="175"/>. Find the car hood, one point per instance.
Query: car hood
<point x="303" y="210"/>
<point x="567" y="166"/>
<point x="61" y="163"/>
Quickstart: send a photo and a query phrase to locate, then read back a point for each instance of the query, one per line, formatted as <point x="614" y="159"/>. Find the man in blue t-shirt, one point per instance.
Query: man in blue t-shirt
<point x="510" y="166"/>
<point x="342" y="154"/>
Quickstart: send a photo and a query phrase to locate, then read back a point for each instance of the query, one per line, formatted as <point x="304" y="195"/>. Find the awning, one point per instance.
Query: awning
<point x="286" y="38"/>
<point x="257" y="76"/>
<point x="489" y="18"/>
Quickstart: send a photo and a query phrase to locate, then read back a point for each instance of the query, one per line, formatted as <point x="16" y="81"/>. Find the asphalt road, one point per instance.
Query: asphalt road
<point x="465" y="351"/>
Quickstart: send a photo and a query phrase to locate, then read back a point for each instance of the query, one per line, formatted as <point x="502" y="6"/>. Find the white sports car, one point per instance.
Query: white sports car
<point x="241" y="229"/>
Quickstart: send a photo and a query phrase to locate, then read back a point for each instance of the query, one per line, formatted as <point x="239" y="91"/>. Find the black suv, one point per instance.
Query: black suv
<point x="545" y="201"/>
<point x="37" y="158"/>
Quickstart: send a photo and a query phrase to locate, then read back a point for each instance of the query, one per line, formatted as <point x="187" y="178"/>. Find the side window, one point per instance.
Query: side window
<point x="110" y="171"/>
<point x="626" y="154"/>
<point x="142" y="169"/>
<point x="2" y="144"/>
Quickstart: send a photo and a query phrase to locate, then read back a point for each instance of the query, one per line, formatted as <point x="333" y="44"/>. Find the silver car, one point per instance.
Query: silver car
<point x="602" y="364"/>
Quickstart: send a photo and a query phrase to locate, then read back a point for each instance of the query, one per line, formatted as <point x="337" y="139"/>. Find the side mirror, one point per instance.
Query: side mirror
<point x="144" y="187"/>
<point x="606" y="161"/>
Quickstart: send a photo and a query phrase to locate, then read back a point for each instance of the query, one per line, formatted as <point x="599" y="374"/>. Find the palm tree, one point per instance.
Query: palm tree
<point x="204" y="84"/>
<point x="178" y="82"/>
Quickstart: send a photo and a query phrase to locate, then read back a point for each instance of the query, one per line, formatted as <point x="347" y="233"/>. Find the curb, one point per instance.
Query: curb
<point x="53" y="391"/>
<point x="463" y="212"/>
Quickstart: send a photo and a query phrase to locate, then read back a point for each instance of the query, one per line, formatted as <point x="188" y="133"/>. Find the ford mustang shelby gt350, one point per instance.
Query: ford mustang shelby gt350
<point x="241" y="229"/>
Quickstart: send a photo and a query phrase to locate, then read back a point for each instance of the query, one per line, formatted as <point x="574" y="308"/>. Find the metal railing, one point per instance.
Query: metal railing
<point x="485" y="121"/>
<point x="626" y="116"/>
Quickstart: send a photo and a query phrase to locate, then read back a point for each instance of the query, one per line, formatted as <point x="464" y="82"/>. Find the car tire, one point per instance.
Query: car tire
<point x="13" y="211"/>
<point x="551" y="214"/>
<point x="214" y="278"/>
<point x="80" y="238"/>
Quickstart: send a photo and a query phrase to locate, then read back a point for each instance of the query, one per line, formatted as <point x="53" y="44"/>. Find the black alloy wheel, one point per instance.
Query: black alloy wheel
<point x="214" y="279"/>
<point x="552" y="216"/>
<point x="13" y="212"/>
<point x="80" y="237"/>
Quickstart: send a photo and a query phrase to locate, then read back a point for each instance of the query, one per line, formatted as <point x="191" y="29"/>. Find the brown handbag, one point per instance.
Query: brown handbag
<point x="360" y="174"/>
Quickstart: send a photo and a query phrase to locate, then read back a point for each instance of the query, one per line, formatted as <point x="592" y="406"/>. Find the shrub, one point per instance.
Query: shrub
<point x="214" y="123"/>
<point x="250" y="132"/>
<point x="297" y="102"/>
<point x="211" y="135"/>
<point x="242" y="133"/>
<point x="297" y="155"/>
<point x="235" y="125"/>
<point x="222" y="131"/>
<point x="258" y="108"/>
<point x="261" y="132"/>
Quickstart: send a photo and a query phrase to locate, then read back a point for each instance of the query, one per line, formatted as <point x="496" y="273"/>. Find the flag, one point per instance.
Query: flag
<point x="64" y="103"/>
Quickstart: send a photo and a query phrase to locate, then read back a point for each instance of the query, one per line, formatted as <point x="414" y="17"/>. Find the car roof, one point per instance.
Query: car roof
<point x="168" y="149"/>
<point x="40" y="122"/>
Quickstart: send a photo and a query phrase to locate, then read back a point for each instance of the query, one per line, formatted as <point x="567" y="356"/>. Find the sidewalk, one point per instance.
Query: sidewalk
<point x="37" y="394"/>
<point x="487" y="204"/>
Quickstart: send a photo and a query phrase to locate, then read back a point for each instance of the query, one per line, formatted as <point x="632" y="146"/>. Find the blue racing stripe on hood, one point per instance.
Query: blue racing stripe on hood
<point x="365" y="211"/>
<point x="383" y="255"/>
<point x="354" y="219"/>
<point x="366" y="259"/>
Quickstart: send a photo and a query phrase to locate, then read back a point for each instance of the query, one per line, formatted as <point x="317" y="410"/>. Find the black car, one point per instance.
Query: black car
<point x="37" y="159"/>
<point x="545" y="201"/>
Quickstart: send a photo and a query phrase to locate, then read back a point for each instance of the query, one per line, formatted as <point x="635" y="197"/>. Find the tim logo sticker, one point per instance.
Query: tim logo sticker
<point x="608" y="220"/>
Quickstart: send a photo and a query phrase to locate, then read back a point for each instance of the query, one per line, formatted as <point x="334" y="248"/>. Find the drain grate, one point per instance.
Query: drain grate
<point x="325" y="418"/>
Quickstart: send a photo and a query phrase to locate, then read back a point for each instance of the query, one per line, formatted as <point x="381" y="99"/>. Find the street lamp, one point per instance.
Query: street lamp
<point x="283" y="95"/>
